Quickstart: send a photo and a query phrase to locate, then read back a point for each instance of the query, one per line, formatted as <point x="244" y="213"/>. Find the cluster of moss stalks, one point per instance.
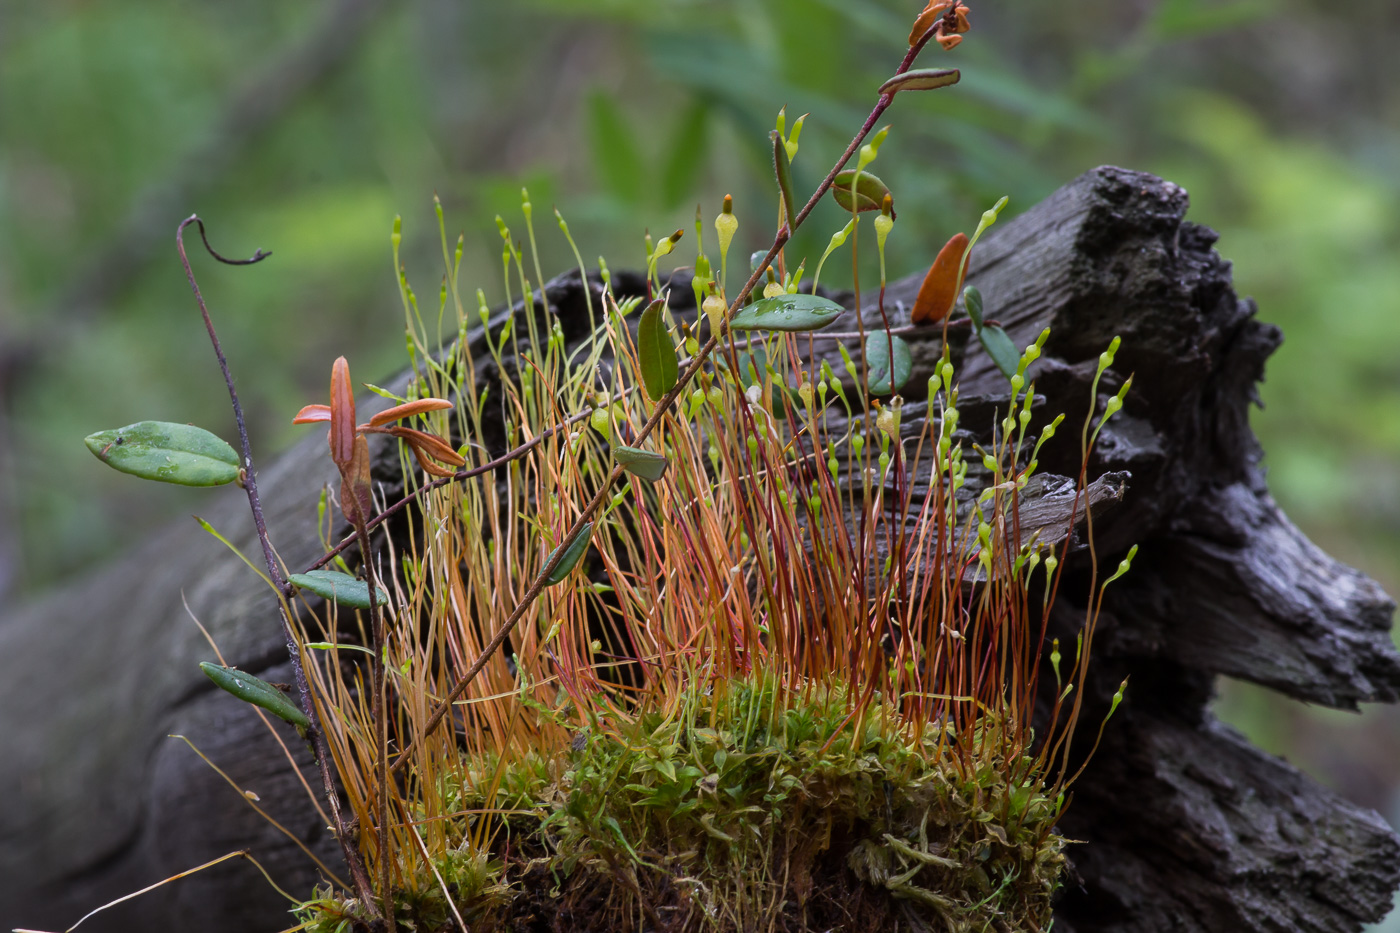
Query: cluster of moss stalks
<point x="741" y="812"/>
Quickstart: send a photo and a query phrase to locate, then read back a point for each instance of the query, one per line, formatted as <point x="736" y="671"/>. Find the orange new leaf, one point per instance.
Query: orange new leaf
<point x="408" y="409"/>
<point x="429" y="467"/>
<point x="312" y="414"/>
<point x="940" y="288"/>
<point x="935" y="10"/>
<point x="430" y="444"/>
<point x="342" y="415"/>
<point x="355" y="481"/>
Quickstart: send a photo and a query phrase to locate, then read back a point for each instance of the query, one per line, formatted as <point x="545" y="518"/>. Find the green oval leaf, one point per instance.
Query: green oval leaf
<point x="1000" y="348"/>
<point x="337" y="587"/>
<point x="251" y="689"/>
<point x="644" y="463"/>
<point x="921" y="79"/>
<point x="573" y="551"/>
<point x="787" y="313"/>
<point x="878" y="345"/>
<point x="870" y="191"/>
<point x="166" y="452"/>
<point x="972" y="301"/>
<point x="656" y="352"/>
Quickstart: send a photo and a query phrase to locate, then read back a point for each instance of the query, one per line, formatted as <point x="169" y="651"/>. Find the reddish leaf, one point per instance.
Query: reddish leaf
<point x="342" y="415"/>
<point x="926" y="20"/>
<point x="935" y="10"/>
<point x="355" y="481"/>
<point x="431" y="444"/>
<point x="940" y="288"/>
<point x="408" y="409"/>
<point x="312" y="414"/>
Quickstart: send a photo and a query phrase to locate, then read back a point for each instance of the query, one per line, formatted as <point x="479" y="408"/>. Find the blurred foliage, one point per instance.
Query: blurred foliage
<point x="1279" y="116"/>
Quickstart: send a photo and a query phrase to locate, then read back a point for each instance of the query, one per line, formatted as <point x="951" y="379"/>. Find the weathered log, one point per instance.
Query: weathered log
<point x="1184" y="826"/>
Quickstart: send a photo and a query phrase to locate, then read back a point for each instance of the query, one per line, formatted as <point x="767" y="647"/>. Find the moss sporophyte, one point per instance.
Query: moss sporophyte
<point x="709" y="666"/>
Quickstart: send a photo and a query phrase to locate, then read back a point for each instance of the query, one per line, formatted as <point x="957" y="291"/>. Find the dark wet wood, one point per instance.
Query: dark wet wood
<point x="1185" y="827"/>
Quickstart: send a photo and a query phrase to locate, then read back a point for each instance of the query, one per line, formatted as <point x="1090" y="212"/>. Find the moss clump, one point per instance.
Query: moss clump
<point x="750" y="808"/>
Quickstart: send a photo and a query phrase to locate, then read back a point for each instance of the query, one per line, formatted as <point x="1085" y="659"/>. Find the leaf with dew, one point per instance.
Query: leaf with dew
<point x="253" y="690"/>
<point x="790" y="313"/>
<point x="166" y="452"/>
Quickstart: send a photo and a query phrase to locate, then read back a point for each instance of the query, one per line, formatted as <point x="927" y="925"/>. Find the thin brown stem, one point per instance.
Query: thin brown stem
<point x="315" y="733"/>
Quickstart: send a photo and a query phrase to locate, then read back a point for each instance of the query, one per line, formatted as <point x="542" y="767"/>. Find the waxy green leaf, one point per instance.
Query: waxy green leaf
<point x="573" y="551"/>
<point x="921" y="79"/>
<point x="870" y="191"/>
<point x="644" y="463"/>
<point x="656" y="352"/>
<point x="339" y="588"/>
<point x="792" y="313"/>
<point x="972" y="301"/>
<point x="251" y="689"/>
<point x="878" y="356"/>
<point x="1000" y="348"/>
<point x="167" y="452"/>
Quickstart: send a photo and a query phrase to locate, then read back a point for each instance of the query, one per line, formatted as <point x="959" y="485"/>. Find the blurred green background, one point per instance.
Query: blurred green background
<point x="305" y="127"/>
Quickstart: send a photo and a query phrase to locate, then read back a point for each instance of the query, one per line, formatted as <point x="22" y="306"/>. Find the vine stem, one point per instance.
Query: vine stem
<point x="248" y="478"/>
<point x="663" y="406"/>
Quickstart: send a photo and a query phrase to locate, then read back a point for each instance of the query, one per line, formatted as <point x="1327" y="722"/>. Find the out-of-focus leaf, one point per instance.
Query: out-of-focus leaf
<point x="167" y="452"/>
<point x="644" y="463"/>
<point x="1185" y="19"/>
<point x="251" y="689"/>
<point x="655" y="351"/>
<point x="573" y="551"/>
<point x="1000" y="348"/>
<point x="870" y="191"/>
<point x="881" y="362"/>
<point x="688" y="152"/>
<point x="791" y="313"/>
<point x="616" y="156"/>
<point x="339" y="588"/>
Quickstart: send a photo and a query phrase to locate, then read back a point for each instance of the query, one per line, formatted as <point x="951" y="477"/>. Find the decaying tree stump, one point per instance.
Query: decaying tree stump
<point x="1185" y="827"/>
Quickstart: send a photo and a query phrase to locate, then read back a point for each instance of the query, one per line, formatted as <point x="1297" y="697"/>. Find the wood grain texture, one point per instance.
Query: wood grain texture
<point x="1184" y="827"/>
